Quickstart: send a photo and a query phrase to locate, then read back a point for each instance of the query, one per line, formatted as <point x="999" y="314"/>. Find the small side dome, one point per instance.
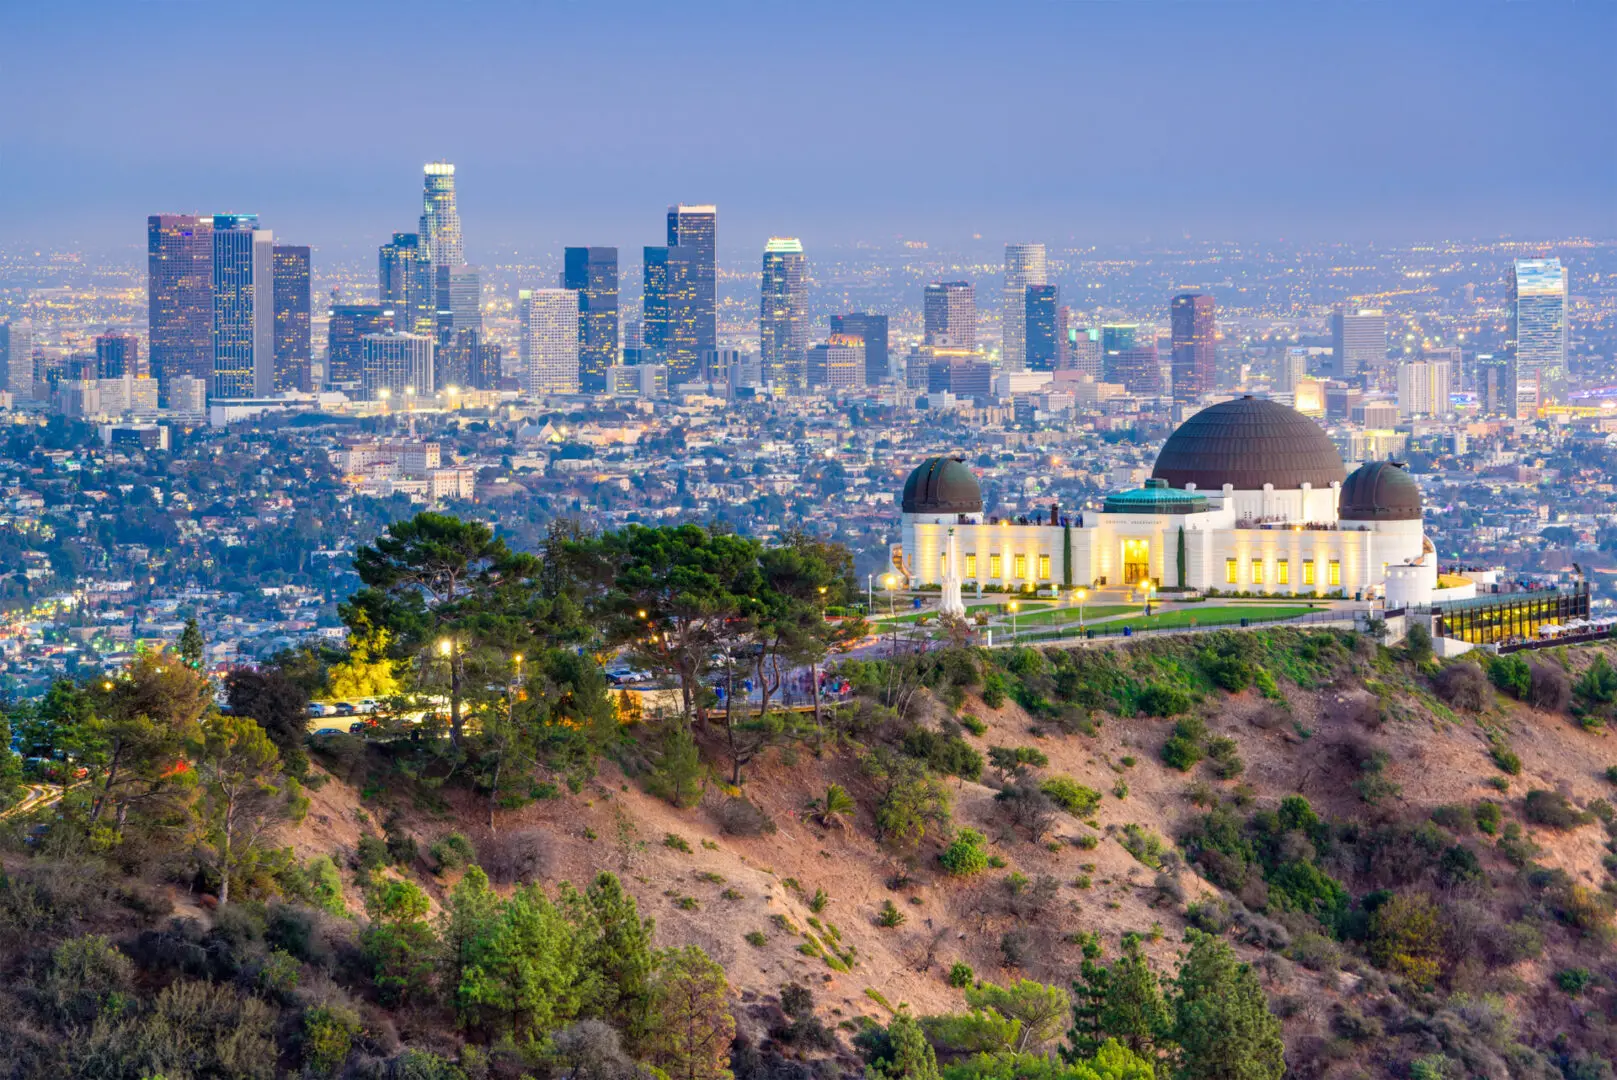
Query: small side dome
<point x="1380" y="491"/>
<point x="942" y="486"/>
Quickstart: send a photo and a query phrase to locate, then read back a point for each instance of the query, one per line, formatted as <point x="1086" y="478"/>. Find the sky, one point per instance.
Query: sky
<point x="1074" y="123"/>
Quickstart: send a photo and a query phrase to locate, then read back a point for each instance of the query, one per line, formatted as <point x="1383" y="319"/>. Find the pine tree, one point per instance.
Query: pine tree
<point x="912" y="1057"/>
<point x="618" y="953"/>
<point x="691" y="1023"/>
<point x="1085" y="1036"/>
<point x="192" y="645"/>
<point x="1221" y="1019"/>
<point x="678" y="773"/>
<point x="1133" y="1011"/>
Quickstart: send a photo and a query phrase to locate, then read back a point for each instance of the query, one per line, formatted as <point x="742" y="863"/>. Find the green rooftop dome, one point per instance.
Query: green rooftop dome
<point x="1156" y="498"/>
<point x="942" y="485"/>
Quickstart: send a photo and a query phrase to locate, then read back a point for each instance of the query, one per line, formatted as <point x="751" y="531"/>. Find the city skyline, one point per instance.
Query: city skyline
<point x="1412" y="75"/>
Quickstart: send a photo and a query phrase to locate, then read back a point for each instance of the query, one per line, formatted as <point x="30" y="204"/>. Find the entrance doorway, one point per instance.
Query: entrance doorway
<point x="1136" y="561"/>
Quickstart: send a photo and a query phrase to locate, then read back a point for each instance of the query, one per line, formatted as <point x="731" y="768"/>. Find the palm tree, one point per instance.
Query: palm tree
<point x="836" y="805"/>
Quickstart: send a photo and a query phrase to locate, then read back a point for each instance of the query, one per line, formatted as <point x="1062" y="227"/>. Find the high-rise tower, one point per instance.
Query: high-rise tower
<point x="179" y="294"/>
<point x="871" y="329"/>
<point x="1358" y="342"/>
<point x="1024" y="266"/>
<point x="118" y="355"/>
<point x="654" y="306"/>
<point x="949" y="309"/>
<point x="1041" y="306"/>
<point x="592" y="272"/>
<point x="294" y="356"/>
<point x="440" y="220"/>
<point x="1536" y="340"/>
<point x="406" y="283"/>
<point x="693" y="305"/>
<point x="17" y="358"/>
<point x="1195" y="349"/>
<point x="243" y="307"/>
<point x="783" y="315"/>
<point x="549" y="325"/>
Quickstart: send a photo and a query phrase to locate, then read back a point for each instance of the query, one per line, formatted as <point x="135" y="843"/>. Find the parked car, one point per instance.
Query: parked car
<point x="327" y="731"/>
<point x="346" y="708"/>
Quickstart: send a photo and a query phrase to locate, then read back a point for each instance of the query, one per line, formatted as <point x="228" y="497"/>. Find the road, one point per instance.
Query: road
<point x="35" y="797"/>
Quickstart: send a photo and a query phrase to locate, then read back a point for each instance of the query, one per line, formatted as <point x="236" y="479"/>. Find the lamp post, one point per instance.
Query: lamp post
<point x="1149" y="585"/>
<point x="1082" y="595"/>
<point x="449" y="649"/>
<point x="892" y="615"/>
<point x="870" y="595"/>
<point x="1013" y="605"/>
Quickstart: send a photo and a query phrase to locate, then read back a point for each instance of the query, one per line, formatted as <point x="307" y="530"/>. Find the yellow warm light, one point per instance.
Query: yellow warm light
<point x="444" y="646"/>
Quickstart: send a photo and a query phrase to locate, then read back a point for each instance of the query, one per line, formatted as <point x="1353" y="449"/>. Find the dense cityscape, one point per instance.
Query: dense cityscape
<point x="212" y="434"/>
<point x="1045" y="541"/>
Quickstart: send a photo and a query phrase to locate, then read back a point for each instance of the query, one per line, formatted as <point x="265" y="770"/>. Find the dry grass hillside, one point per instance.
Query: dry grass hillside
<point x="1364" y="734"/>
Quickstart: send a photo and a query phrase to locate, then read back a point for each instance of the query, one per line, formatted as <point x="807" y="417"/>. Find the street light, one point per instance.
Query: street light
<point x="1149" y="586"/>
<point x="1082" y="594"/>
<point x="1013" y="605"/>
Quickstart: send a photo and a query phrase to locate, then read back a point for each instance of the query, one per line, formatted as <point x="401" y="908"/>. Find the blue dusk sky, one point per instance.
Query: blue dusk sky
<point x="1070" y="122"/>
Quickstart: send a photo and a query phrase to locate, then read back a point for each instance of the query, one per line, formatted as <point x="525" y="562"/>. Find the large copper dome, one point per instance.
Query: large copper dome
<point x="1380" y="491"/>
<point x="1247" y="443"/>
<point x="942" y="486"/>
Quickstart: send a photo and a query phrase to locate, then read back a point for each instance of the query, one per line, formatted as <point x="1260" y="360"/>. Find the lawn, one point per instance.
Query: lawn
<point x="1070" y="614"/>
<point x="992" y="607"/>
<point x="1175" y="620"/>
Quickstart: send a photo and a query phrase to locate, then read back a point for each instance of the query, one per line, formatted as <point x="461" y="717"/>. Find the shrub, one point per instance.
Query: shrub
<point x="453" y="852"/>
<point x="371" y="853"/>
<point x="328" y="1037"/>
<point x="1026" y="807"/>
<point x="994" y="691"/>
<point x="1184" y="747"/>
<point x="1011" y="761"/>
<point x="1549" y="690"/>
<point x="1511" y="674"/>
<point x="1418" y="643"/>
<point x="1455" y="818"/>
<point x="1463" y="685"/>
<point x="87" y="976"/>
<point x="1145" y="845"/>
<point x="1160" y="699"/>
<point x="1596" y="693"/>
<point x="740" y="816"/>
<point x="1574" y="981"/>
<point x="1489" y="815"/>
<point x="1459" y="865"/>
<point x="1406" y="938"/>
<point x="516" y="856"/>
<point x="1016" y="946"/>
<point x="961" y="975"/>
<point x="948" y="754"/>
<point x="677" y="843"/>
<point x="1071" y="796"/>
<point x="890" y="916"/>
<point x="1232" y="673"/>
<point x="757" y="938"/>
<point x="966" y="854"/>
<point x="1552" y="809"/>
<point x="1225" y="755"/>
<point x="1506" y="758"/>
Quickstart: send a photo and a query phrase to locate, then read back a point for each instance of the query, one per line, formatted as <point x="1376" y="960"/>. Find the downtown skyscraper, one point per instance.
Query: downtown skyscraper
<point x="692" y="288"/>
<point x="294" y="353"/>
<point x="179" y="297"/>
<point x="949" y="315"/>
<point x="549" y="340"/>
<point x="1358" y="343"/>
<point x="1193" y="322"/>
<point x="783" y="324"/>
<point x="1041" y="306"/>
<point x="243" y="307"/>
<point x="1536" y="340"/>
<point x="440" y="218"/>
<point x="871" y="329"/>
<point x="654" y="306"/>
<point x="1024" y="266"/>
<point x="406" y="283"/>
<point x="592" y="272"/>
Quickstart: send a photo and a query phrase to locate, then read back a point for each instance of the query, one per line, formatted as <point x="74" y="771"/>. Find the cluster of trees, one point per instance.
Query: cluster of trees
<point x="1122" y="1022"/>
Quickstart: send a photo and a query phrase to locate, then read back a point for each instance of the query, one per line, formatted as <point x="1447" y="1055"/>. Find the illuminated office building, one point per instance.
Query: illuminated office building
<point x="783" y="324"/>
<point x="592" y="272"/>
<point x="294" y="355"/>
<point x="653" y="346"/>
<point x="1195" y="348"/>
<point x="949" y="315"/>
<point x="440" y="219"/>
<point x="1024" y="266"/>
<point x="459" y="295"/>
<point x="406" y="282"/>
<point x="1040" y="327"/>
<point x="1358" y="342"/>
<point x="17" y="352"/>
<point x="243" y="307"/>
<point x="549" y="329"/>
<point x="396" y="368"/>
<point x="1536" y="339"/>
<point x="117" y="355"/>
<point x="179" y="296"/>
<point x="837" y="364"/>
<point x="693" y="287"/>
<point x="346" y="331"/>
<point x="871" y="329"/>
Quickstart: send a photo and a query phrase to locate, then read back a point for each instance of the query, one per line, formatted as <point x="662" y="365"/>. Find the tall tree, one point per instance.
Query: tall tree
<point x="433" y="582"/>
<point x="192" y="646"/>
<point x="242" y="794"/>
<point x="135" y="744"/>
<point x="281" y="707"/>
<point x="1221" y="1019"/>
<point x="691" y="1024"/>
<point x="911" y="1056"/>
<point x="1041" y="1009"/>
<point x="1133" y="1011"/>
<point x="618" y="951"/>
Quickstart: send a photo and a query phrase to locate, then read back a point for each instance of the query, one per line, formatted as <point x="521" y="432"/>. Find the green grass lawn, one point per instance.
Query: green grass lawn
<point x="992" y="607"/>
<point x="1070" y="614"/>
<point x="1213" y="616"/>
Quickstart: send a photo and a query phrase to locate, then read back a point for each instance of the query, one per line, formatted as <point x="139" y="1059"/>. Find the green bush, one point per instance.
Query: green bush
<point x="1225" y="755"/>
<point x="1506" y="758"/>
<point x="974" y="725"/>
<point x="961" y="975"/>
<point x="1071" y="796"/>
<point x="1489" y="815"/>
<point x="1574" y="981"/>
<point x="994" y="690"/>
<point x="1554" y="810"/>
<point x="948" y="754"/>
<point x="372" y="853"/>
<point x="87" y="977"/>
<point x="1511" y="674"/>
<point x="1144" y="845"/>
<point x="328" y="1037"/>
<point x="1184" y="747"/>
<point x="1160" y="699"/>
<point x="453" y="852"/>
<point x="966" y="854"/>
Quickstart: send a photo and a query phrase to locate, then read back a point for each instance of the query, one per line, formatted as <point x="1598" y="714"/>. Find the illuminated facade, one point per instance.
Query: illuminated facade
<point x="549" y="321"/>
<point x="1536" y="340"/>
<point x="243" y="307"/>
<point x="1195" y="348"/>
<point x="1024" y="266"/>
<point x="294" y="358"/>
<point x="783" y="320"/>
<point x="179" y="284"/>
<point x="1041" y="338"/>
<point x="396" y="367"/>
<point x="406" y="282"/>
<point x="592" y="272"/>
<point x="692" y="288"/>
<point x="440" y="218"/>
<point x="949" y="315"/>
<point x="346" y="331"/>
<point x="1247" y="496"/>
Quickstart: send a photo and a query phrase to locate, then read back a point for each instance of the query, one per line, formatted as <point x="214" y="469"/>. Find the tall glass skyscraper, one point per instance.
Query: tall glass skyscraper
<point x="440" y="220"/>
<point x="406" y="282"/>
<point x="1024" y="266"/>
<point x="179" y="295"/>
<point x="117" y="355"/>
<point x="349" y="325"/>
<point x="294" y="355"/>
<point x="17" y="358"/>
<point x="1195" y="347"/>
<point x="1040" y="318"/>
<point x="949" y="309"/>
<point x="654" y="306"/>
<point x="693" y="310"/>
<point x="872" y="330"/>
<point x="549" y="324"/>
<point x="1358" y="342"/>
<point x="783" y="315"/>
<point x="459" y="292"/>
<point x="1536" y="340"/>
<point x="243" y="307"/>
<point x="592" y="272"/>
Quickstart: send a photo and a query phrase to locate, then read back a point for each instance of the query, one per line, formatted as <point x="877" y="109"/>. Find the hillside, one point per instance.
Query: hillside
<point x="1396" y="928"/>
